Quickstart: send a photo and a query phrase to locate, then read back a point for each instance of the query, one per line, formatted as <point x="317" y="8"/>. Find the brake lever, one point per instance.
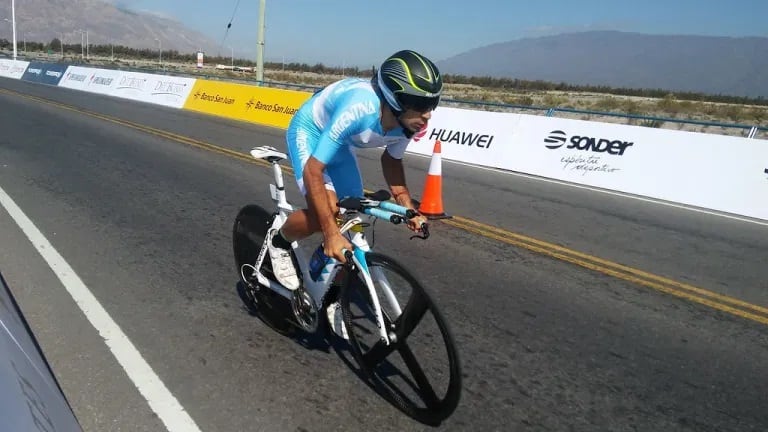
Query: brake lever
<point x="424" y="232"/>
<point x="348" y="256"/>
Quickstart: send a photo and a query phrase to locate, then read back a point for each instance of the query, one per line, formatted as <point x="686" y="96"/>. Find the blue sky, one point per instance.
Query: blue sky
<point x="364" y="32"/>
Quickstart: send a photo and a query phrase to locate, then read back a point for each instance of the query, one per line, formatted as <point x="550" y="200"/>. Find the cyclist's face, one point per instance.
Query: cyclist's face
<point x="415" y="120"/>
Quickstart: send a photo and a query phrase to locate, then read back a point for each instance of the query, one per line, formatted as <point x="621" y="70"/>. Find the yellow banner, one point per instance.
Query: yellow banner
<point x="262" y="105"/>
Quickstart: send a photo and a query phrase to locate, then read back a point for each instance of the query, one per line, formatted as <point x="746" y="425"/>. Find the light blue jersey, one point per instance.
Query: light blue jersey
<point x="331" y="124"/>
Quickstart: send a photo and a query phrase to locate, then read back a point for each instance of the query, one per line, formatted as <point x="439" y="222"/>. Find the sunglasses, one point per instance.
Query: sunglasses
<point x="418" y="103"/>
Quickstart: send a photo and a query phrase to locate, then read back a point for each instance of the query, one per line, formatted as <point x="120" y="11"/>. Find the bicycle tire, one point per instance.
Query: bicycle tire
<point x="432" y="409"/>
<point x="248" y="233"/>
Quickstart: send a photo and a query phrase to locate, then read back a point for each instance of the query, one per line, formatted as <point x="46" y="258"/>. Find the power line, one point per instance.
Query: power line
<point x="229" y="25"/>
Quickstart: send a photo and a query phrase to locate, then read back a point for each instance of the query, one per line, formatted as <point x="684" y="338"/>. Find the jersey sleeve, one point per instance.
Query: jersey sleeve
<point x="351" y="117"/>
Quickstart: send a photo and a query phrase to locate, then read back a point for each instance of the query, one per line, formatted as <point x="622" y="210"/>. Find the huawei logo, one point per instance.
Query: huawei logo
<point x="420" y="134"/>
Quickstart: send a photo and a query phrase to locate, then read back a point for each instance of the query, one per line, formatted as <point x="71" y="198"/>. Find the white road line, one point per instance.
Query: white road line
<point x="160" y="399"/>
<point x="604" y="191"/>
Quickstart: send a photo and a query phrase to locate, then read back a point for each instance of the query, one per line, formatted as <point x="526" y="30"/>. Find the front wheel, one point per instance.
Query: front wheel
<point x="424" y="379"/>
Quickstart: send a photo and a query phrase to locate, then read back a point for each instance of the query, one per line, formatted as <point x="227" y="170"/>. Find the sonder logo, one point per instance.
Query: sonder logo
<point x="558" y="138"/>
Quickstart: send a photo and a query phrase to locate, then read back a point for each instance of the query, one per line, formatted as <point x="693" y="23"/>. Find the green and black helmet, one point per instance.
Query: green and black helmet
<point x="409" y="80"/>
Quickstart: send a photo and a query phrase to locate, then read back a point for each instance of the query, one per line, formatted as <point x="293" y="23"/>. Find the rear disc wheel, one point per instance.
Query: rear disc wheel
<point x="248" y="234"/>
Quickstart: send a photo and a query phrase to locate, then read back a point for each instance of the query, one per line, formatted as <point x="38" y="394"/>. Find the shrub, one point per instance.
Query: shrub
<point x="607" y="104"/>
<point x="652" y="123"/>
<point x="631" y="107"/>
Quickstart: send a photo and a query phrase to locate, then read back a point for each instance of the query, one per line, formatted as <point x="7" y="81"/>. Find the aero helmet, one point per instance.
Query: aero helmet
<point x="409" y="80"/>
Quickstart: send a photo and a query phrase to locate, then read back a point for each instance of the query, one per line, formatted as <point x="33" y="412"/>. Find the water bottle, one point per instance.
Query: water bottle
<point x="317" y="263"/>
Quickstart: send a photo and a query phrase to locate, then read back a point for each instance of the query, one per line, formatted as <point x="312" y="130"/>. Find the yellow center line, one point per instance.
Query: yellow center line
<point x="462" y="222"/>
<point x="545" y="250"/>
<point x="698" y="295"/>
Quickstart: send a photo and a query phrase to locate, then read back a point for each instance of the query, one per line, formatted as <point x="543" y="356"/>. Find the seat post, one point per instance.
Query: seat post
<point x="279" y="184"/>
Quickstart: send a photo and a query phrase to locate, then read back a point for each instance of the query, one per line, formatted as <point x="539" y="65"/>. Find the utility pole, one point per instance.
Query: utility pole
<point x="260" y="43"/>
<point x="160" y="51"/>
<point x="13" y="18"/>
<point x="82" y="45"/>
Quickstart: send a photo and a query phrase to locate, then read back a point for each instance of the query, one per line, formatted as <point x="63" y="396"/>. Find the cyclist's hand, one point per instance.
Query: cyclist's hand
<point x="335" y="246"/>
<point x="414" y="223"/>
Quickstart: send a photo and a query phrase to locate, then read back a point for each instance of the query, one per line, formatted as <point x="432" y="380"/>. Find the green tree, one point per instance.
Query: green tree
<point x="55" y="44"/>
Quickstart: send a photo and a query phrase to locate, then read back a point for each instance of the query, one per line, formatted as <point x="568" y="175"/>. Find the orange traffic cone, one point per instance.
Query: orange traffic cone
<point x="431" y="204"/>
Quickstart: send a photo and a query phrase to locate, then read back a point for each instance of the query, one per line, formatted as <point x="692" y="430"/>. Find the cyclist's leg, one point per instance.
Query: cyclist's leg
<point x="342" y="179"/>
<point x="347" y="181"/>
<point x="300" y="143"/>
<point x="345" y="173"/>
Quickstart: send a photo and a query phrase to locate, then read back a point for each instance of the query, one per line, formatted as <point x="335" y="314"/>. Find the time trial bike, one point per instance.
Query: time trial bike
<point x="371" y="301"/>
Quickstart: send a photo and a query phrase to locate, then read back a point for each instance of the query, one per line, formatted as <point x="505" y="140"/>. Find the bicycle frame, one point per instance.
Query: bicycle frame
<point x="318" y="289"/>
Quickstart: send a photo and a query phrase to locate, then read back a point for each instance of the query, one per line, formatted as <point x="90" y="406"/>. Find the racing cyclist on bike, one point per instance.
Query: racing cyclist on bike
<point x="323" y="135"/>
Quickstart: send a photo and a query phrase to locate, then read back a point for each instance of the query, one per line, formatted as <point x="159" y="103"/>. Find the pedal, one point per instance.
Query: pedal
<point x="336" y="321"/>
<point x="304" y="310"/>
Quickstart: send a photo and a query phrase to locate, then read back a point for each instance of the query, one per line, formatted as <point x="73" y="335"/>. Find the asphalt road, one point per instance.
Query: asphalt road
<point x="145" y="221"/>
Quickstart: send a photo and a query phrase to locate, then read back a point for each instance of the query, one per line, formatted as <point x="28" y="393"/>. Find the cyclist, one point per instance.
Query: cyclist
<point x="323" y="134"/>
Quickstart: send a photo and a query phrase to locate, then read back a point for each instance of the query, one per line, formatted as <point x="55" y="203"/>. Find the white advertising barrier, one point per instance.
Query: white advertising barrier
<point x="13" y="68"/>
<point x="157" y="89"/>
<point x="100" y="81"/>
<point x="476" y="137"/>
<point x="711" y="171"/>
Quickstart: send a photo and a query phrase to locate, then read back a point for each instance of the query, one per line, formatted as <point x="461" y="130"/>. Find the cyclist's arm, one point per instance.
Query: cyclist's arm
<point x="394" y="174"/>
<point x="345" y="122"/>
<point x="317" y="197"/>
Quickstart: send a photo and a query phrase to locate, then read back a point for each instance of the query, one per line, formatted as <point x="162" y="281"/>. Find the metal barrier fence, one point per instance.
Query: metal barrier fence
<point x="690" y="125"/>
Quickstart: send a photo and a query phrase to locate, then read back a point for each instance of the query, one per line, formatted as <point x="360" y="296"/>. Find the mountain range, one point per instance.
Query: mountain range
<point x="700" y="64"/>
<point x="43" y="20"/>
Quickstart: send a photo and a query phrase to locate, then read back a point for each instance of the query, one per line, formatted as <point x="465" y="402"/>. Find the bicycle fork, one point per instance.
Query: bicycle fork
<point x="386" y="335"/>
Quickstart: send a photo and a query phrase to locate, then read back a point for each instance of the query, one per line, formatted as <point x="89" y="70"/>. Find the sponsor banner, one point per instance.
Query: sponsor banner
<point x="267" y="106"/>
<point x="156" y="89"/>
<point x="716" y="172"/>
<point x="13" y="68"/>
<point x="704" y="170"/>
<point x="476" y="137"/>
<point x="76" y="77"/>
<point x="100" y="81"/>
<point x="44" y="73"/>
